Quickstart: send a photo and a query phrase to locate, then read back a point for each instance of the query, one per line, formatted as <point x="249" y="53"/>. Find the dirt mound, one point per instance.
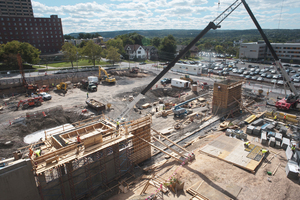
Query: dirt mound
<point x="16" y="132"/>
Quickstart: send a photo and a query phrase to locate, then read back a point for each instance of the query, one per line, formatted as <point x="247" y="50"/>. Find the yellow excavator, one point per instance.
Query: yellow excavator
<point x="106" y="78"/>
<point x="62" y="87"/>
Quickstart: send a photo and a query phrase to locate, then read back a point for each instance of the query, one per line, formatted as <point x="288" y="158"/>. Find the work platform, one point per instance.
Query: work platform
<point x="232" y="150"/>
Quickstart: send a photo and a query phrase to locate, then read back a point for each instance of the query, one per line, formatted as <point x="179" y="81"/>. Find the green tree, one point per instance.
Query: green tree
<point x="82" y="44"/>
<point x="219" y="49"/>
<point x="138" y="39"/>
<point x="92" y="51"/>
<point x="68" y="37"/>
<point x="113" y="55"/>
<point x="70" y="52"/>
<point x="80" y="35"/>
<point x="28" y="53"/>
<point x="117" y="43"/>
<point x="167" y="48"/>
<point x="155" y="41"/>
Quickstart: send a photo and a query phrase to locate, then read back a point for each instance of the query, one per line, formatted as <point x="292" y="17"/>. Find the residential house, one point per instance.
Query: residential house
<point x="151" y="52"/>
<point x="194" y="50"/>
<point x="135" y="51"/>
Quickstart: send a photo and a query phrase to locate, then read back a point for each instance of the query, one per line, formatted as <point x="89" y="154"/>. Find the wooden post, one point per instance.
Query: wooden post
<point x="168" y="147"/>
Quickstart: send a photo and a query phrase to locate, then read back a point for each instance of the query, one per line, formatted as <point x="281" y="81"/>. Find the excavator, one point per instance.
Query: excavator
<point x="106" y="78"/>
<point x="36" y="101"/>
<point x="213" y="25"/>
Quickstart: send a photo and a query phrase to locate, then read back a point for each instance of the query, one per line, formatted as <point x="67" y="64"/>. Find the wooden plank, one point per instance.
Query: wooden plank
<point x="168" y="147"/>
<point x="160" y="149"/>
<point x="170" y="140"/>
<point x="242" y="105"/>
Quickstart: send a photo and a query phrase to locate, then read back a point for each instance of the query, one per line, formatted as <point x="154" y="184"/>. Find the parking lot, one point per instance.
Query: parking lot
<point x="256" y="72"/>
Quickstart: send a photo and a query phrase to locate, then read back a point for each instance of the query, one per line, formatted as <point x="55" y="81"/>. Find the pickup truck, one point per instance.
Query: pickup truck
<point x="166" y="81"/>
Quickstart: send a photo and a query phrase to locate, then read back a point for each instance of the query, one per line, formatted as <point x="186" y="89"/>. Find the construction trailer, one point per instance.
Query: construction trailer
<point x="226" y="96"/>
<point x="67" y="169"/>
<point x="188" y="69"/>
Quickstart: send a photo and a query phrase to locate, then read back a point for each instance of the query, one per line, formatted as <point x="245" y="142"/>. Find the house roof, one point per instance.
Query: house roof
<point x="133" y="47"/>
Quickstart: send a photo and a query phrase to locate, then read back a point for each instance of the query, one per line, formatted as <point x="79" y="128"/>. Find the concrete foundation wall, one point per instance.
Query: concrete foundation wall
<point x="17" y="182"/>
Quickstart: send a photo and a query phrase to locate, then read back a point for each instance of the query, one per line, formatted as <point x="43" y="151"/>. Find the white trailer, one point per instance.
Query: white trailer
<point x="93" y="79"/>
<point x="180" y="83"/>
<point x="188" y="69"/>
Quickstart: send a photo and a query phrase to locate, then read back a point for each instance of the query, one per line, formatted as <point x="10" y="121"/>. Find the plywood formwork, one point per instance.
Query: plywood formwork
<point x="71" y="170"/>
<point x="224" y="95"/>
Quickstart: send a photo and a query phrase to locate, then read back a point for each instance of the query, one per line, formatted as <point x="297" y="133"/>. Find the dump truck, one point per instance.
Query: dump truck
<point x="94" y="104"/>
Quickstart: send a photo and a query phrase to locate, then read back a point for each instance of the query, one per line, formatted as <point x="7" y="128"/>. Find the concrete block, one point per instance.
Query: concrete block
<point x="250" y="129"/>
<point x="263" y="138"/>
<point x="285" y="143"/>
<point x="283" y="130"/>
<point x="292" y="170"/>
<point x="257" y="130"/>
<point x="258" y="122"/>
<point x="272" y="142"/>
<point x="277" y="144"/>
<point x="271" y="134"/>
<point x="278" y="137"/>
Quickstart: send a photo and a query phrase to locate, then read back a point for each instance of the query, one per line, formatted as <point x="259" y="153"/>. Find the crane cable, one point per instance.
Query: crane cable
<point x="280" y="14"/>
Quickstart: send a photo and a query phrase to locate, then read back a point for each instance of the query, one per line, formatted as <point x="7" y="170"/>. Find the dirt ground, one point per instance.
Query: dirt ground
<point x="221" y="175"/>
<point x="216" y="173"/>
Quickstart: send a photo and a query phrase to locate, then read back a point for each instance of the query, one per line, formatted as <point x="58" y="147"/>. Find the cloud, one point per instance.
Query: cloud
<point x="168" y="14"/>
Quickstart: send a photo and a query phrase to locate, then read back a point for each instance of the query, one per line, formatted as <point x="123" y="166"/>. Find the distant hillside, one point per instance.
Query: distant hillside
<point x="274" y="35"/>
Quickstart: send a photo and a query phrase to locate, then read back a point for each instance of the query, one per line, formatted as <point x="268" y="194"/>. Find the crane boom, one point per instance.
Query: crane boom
<point x="211" y="25"/>
<point x="277" y="61"/>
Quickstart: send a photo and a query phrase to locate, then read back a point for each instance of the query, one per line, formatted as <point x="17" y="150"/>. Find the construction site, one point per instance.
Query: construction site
<point x="124" y="135"/>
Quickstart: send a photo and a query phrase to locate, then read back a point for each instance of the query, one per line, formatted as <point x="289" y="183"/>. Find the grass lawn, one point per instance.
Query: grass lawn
<point x="80" y="63"/>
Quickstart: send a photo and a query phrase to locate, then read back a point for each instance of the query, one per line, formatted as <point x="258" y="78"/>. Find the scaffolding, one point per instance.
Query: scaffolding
<point x="71" y="170"/>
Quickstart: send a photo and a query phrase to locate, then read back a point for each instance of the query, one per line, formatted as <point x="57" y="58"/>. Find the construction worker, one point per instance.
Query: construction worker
<point x="264" y="151"/>
<point x="284" y="118"/>
<point x="78" y="139"/>
<point x="275" y="117"/>
<point x="30" y="153"/>
<point x="118" y="125"/>
<point x="87" y="95"/>
<point x="38" y="153"/>
<point x="293" y="148"/>
<point x="247" y="144"/>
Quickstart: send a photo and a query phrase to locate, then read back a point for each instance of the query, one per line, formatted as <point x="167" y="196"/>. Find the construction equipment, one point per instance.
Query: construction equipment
<point x="106" y="78"/>
<point x="62" y="86"/>
<point x="90" y="86"/>
<point x="187" y="78"/>
<point x="134" y="70"/>
<point x="211" y="25"/>
<point x="36" y="101"/>
<point x="98" y="106"/>
<point x="44" y="88"/>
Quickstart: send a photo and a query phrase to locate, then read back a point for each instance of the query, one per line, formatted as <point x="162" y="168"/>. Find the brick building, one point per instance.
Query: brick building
<point x="46" y="34"/>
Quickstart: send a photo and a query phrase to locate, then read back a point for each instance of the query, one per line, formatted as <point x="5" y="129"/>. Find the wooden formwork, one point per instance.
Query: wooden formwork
<point x="224" y="95"/>
<point x="141" y="150"/>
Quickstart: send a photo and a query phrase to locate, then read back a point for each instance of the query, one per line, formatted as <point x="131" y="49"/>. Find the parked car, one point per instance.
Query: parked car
<point x="274" y="81"/>
<point x="234" y="70"/>
<point x="269" y="76"/>
<point x="142" y="63"/>
<point x="275" y="77"/>
<point x="260" y="79"/>
<point x="296" y="80"/>
<point x="246" y="73"/>
<point x="248" y="77"/>
<point x="273" y="72"/>
<point x="254" y="77"/>
<point x="250" y="66"/>
<point x="293" y="71"/>
<point x="264" y="75"/>
<point x="243" y="68"/>
<point x="280" y="82"/>
<point x="242" y="63"/>
<point x="251" y="74"/>
<point x="45" y="96"/>
<point x="225" y="73"/>
<point x="166" y="81"/>
<point x="240" y="71"/>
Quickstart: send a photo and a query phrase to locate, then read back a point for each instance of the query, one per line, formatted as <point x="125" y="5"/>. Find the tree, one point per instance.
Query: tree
<point x="168" y="48"/>
<point x="117" y="43"/>
<point x="138" y="39"/>
<point x="219" y="49"/>
<point x="82" y="44"/>
<point x="80" y="35"/>
<point x="70" y="52"/>
<point x="68" y="37"/>
<point x="28" y="53"/>
<point x="92" y="51"/>
<point x="113" y="55"/>
<point x="155" y="42"/>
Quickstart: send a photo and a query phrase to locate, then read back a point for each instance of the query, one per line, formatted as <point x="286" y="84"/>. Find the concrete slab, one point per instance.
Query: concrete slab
<point x="232" y="151"/>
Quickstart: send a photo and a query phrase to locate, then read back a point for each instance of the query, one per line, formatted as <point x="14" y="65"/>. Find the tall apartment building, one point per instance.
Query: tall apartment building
<point x="46" y="34"/>
<point x="16" y="8"/>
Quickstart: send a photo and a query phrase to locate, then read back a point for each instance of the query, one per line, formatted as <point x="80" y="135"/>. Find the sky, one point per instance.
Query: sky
<point x="113" y="15"/>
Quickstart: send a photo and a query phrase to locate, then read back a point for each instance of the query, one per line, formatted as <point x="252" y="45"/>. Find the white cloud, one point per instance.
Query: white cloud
<point x="168" y="14"/>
